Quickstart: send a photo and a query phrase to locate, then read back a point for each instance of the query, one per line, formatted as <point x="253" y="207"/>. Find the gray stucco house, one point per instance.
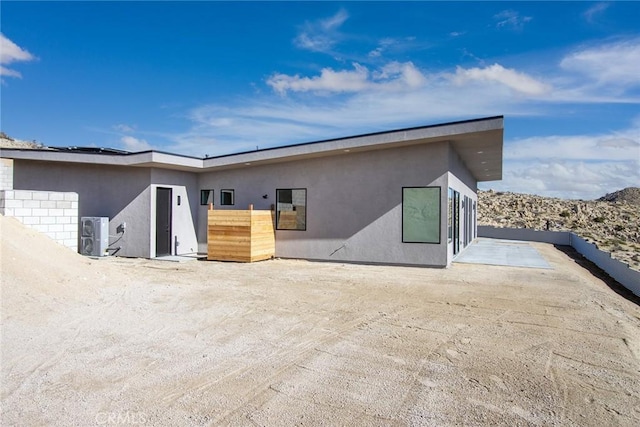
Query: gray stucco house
<point x="405" y="196"/>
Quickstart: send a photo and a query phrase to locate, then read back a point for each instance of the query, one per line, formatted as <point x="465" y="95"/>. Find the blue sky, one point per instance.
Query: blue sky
<point x="216" y="78"/>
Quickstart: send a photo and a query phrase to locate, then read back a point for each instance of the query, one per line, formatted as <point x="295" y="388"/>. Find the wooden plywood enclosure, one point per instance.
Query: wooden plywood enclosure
<point x="240" y="235"/>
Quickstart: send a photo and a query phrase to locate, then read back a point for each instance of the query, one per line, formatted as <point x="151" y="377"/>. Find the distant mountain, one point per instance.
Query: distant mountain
<point x="629" y="195"/>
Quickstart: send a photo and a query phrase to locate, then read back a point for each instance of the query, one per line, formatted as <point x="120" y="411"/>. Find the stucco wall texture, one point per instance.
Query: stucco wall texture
<point x="354" y="201"/>
<point x="117" y="192"/>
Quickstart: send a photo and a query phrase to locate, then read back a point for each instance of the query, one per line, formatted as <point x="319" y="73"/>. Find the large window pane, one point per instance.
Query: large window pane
<point x="291" y="207"/>
<point x="421" y="214"/>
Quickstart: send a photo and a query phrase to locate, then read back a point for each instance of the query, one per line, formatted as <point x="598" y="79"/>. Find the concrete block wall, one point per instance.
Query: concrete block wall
<point x="52" y="213"/>
<point x="6" y="174"/>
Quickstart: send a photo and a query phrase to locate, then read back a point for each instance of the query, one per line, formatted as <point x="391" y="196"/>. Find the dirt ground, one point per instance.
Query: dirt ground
<point x="283" y="342"/>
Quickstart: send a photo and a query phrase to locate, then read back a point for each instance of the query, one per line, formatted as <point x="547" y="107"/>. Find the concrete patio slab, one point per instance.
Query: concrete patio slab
<point x="509" y="253"/>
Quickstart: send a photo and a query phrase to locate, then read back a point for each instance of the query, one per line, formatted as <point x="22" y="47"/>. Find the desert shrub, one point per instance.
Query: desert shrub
<point x="565" y="214"/>
<point x="599" y="219"/>
<point x="615" y="242"/>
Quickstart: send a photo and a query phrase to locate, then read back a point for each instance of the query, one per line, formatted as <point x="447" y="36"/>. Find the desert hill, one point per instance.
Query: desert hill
<point x="8" y="142"/>
<point x="629" y="195"/>
<point x="611" y="222"/>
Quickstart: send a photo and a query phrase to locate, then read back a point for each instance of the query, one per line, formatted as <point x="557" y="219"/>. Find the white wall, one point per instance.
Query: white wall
<point x="184" y="188"/>
<point x="52" y="213"/>
<point x="6" y="174"/>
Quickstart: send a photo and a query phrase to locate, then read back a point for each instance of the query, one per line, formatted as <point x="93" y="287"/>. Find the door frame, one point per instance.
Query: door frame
<point x="168" y="192"/>
<point x="456" y="222"/>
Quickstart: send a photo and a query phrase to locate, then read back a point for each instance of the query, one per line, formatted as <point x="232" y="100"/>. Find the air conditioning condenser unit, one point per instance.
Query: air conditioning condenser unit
<point x="94" y="235"/>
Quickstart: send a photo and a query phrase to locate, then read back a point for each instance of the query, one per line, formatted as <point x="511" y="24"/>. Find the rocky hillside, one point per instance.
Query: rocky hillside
<point x="7" y="142"/>
<point x="629" y="195"/>
<point x="611" y="222"/>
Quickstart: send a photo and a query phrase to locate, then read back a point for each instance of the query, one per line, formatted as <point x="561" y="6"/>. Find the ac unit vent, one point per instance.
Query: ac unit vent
<point x="94" y="237"/>
<point x="88" y="229"/>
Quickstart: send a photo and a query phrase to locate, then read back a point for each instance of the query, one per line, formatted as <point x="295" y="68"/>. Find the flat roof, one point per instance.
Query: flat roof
<point x="478" y="142"/>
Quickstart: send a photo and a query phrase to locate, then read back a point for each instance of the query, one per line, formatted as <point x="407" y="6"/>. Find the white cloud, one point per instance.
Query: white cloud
<point x="615" y="63"/>
<point x="517" y="81"/>
<point x="131" y="143"/>
<point x="321" y="35"/>
<point x="9" y="72"/>
<point x="397" y="75"/>
<point x="565" y="178"/>
<point x="392" y="76"/>
<point x="335" y="21"/>
<point x="329" y="80"/>
<point x="383" y="45"/>
<point x="124" y="128"/>
<point x="10" y="53"/>
<point x="576" y="166"/>
<point x="618" y="146"/>
<point x="511" y="19"/>
<point x="336" y="102"/>
<point x="594" y="11"/>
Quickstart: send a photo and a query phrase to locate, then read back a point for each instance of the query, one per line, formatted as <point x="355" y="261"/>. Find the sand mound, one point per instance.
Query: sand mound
<point x="34" y="267"/>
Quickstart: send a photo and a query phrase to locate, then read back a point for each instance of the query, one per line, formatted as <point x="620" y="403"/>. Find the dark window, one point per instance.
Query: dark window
<point x="291" y="209"/>
<point x="227" y="197"/>
<point x="206" y="197"/>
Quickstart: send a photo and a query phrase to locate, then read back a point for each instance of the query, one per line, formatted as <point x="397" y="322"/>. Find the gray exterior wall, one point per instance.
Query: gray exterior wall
<point x="117" y="192"/>
<point x="124" y="195"/>
<point x="354" y="203"/>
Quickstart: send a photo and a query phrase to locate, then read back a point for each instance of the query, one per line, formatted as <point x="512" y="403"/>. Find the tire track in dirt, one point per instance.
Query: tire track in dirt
<point x="302" y="352"/>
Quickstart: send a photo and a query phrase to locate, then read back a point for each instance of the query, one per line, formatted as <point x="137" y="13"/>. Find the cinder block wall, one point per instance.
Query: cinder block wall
<point x="6" y="174"/>
<point x="52" y="213"/>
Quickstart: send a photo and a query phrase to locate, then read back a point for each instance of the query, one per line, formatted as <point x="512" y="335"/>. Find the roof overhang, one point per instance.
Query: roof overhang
<point x="478" y="143"/>
<point x="153" y="159"/>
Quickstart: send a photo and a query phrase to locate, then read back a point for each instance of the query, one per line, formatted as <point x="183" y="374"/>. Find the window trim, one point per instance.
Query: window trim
<point x="439" y="215"/>
<point x="305" y="209"/>
<point x="207" y="200"/>
<point x="233" y="196"/>
<point x="450" y="215"/>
